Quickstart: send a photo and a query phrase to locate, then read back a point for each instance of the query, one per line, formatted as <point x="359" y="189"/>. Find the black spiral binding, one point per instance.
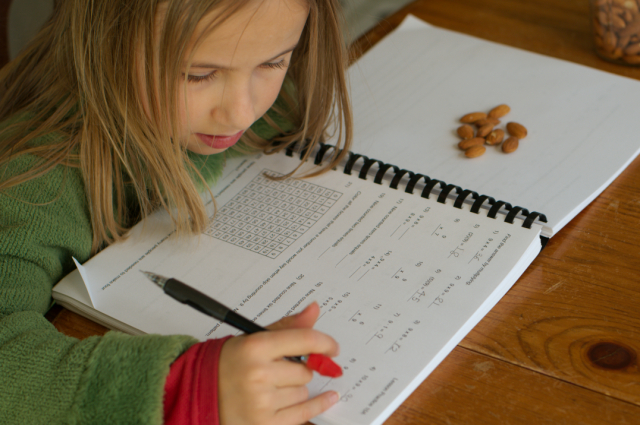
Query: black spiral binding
<point x="429" y="185"/>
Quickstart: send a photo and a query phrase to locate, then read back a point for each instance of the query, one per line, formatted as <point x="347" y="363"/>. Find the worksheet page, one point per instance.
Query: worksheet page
<point x="400" y="279"/>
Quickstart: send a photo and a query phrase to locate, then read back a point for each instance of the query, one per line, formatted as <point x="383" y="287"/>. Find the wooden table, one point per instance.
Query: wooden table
<point x="562" y="346"/>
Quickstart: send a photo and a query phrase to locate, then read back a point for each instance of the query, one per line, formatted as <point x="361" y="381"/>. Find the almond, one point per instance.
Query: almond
<point x="465" y="131"/>
<point x="499" y="111"/>
<point x="597" y="27"/>
<point x="617" y="10"/>
<point x="634" y="60"/>
<point x="627" y="4"/>
<point x="510" y="145"/>
<point x="495" y="137"/>
<point x="610" y="41"/>
<point x="484" y="130"/>
<point x="486" y="121"/>
<point x="475" y="151"/>
<point x="517" y="130"/>
<point x="632" y="49"/>
<point x="631" y="5"/>
<point x="603" y="18"/>
<point x="472" y="117"/>
<point x="624" y="41"/>
<point x="617" y="21"/>
<point x="632" y="28"/>
<point x="466" y="144"/>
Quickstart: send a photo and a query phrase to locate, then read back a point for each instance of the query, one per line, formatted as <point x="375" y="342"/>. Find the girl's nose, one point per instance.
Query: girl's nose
<point x="236" y="109"/>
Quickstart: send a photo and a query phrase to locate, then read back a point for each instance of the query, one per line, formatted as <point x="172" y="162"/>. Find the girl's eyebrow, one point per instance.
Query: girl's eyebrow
<point x="214" y="66"/>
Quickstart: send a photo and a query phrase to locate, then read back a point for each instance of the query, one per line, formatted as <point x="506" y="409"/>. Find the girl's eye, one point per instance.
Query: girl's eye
<point x="200" y="78"/>
<point x="276" y="65"/>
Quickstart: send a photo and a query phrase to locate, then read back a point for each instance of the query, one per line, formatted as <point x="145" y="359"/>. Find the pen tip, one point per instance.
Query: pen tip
<point x="157" y="279"/>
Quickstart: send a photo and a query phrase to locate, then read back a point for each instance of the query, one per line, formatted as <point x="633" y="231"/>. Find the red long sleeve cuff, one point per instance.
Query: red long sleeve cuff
<point x="191" y="389"/>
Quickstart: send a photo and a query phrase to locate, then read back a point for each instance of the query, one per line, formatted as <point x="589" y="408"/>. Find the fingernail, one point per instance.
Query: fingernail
<point x="334" y="397"/>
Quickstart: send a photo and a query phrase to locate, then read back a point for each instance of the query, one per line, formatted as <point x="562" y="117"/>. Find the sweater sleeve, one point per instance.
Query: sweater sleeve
<point x="45" y="376"/>
<point x="191" y="390"/>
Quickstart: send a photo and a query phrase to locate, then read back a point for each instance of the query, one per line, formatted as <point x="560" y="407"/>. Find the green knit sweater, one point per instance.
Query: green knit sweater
<point x="45" y="376"/>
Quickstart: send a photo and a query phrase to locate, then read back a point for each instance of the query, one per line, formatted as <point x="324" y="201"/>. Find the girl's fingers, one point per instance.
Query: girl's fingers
<point x="290" y="396"/>
<point x="290" y="342"/>
<point x="305" y="319"/>
<point x="302" y="412"/>
<point x="289" y="374"/>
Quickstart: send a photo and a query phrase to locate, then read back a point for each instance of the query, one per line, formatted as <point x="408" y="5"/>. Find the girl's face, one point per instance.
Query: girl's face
<point x="237" y="71"/>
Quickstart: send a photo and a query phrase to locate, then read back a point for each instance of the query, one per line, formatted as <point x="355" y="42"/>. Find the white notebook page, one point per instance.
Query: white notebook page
<point x="410" y="90"/>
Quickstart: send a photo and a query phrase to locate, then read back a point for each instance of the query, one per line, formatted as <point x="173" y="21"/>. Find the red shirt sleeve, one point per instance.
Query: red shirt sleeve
<point x="191" y="389"/>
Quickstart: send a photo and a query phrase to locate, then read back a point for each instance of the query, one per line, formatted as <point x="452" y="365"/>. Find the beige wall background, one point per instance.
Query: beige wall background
<point x="27" y="16"/>
<point x="362" y="15"/>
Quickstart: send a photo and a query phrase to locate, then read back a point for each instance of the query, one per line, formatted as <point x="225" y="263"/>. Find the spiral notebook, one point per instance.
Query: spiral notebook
<point x="401" y="267"/>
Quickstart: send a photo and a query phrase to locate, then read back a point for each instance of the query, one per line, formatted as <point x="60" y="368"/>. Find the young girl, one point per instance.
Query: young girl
<point x="119" y="107"/>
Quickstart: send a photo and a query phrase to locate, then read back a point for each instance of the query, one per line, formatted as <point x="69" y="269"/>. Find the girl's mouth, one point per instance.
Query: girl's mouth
<point x="219" y="142"/>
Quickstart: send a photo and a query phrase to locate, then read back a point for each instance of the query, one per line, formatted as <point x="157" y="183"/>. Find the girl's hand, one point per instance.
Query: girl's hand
<point x="257" y="386"/>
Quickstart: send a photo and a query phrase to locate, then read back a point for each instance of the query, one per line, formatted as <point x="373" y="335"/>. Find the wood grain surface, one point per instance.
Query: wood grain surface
<point x="562" y="346"/>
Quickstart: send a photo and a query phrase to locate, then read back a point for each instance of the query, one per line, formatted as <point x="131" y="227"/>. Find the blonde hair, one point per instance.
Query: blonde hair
<point x="76" y="85"/>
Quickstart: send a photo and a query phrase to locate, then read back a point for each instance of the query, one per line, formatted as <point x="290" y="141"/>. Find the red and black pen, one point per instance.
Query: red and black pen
<point x="196" y="299"/>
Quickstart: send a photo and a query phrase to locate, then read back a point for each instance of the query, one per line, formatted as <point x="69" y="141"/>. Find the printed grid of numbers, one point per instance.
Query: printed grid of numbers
<point x="267" y="216"/>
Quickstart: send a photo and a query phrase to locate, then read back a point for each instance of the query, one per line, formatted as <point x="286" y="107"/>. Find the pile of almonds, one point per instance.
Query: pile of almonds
<point x="473" y="141"/>
<point x="616" y="28"/>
